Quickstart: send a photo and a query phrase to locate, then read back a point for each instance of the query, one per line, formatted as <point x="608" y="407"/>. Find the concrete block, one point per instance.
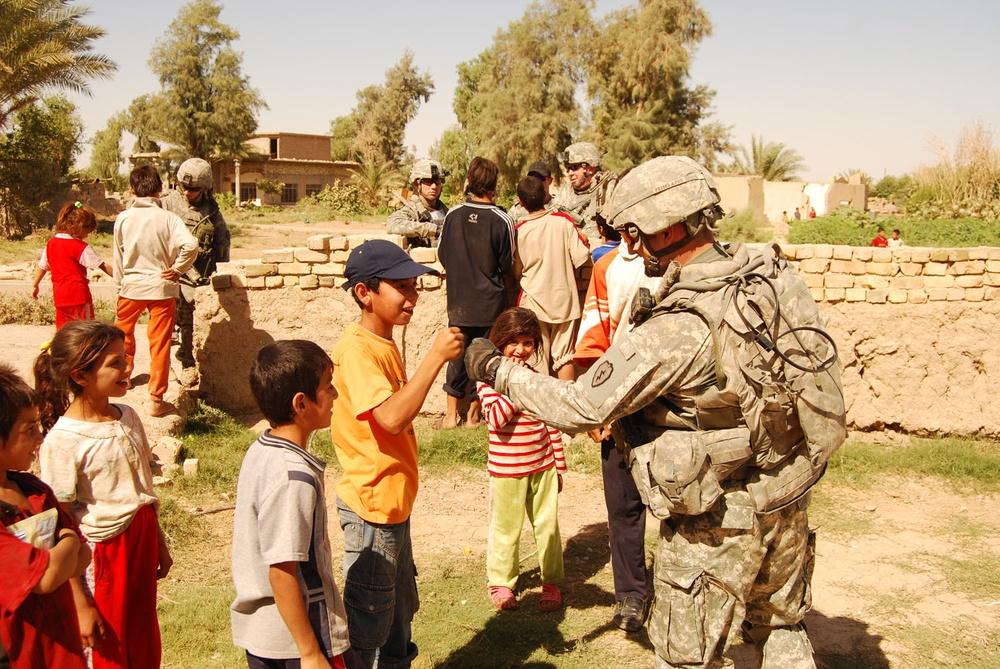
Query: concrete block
<point x="991" y="279"/>
<point x="354" y="241"/>
<point x="863" y="253"/>
<point x="819" y="294"/>
<point x="167" y="449"/>
<point x="939" y="255"/>
<point x="327" y="282"/>
<point x="229" y="267"/>
<point x="877" y="296"/>
<point x="843" y="266"/>
<point x="964" y="267"/>
<point x="424" y="255"/>
<point x="823" y="251"/>
<point x="838" y="281"/>
<point x="834" y="294"/>
<point x="256" y="282"/>
<point x="916" y="296"/>
<point x="813" y="280"/>
<point x="338" y="244"/>
<point x="338" y="268"/>
<point x="804" y="252"/>
<point x="979" y="253"/>
<point x="238" y="281"/>
<point x="872" y="281"/>
<point x="339" y="256"/>
<point x="222" y="281"/>
<point x="191" y="467"/>
<point x="855" y="294"/>
<point x="935" y="269"/>
<point x="901" y="255"/>
<point x="975" y="294"/>
<point x="842" y="253"/>
<point x="969" y="281"/>
<point x="956" y="294"/>
<point x="882" y="268"/>
<point x="309" y="282"/>
<point x="939" y="281"/>
<point x="858" y="267"/>
<point x="993" y="266"/>
<point x="991" y="294"/>
<point x="274" y="281"/>
<point x="278" y="255"/>
<point x="906" y="282"/>
<point x="814" y="266"/>
<point x="920" y="255"/>
<point x="958" y="255"/>
<point x="319" y="242"/>
<point x="993" y="253"/>
<point x="260" y="269"/>
<point x="881" y="255"/>
<point x="431" y="282"/>
<point x="937" y="294"/>
<point x="910" y="268"/>
<point x="325" y="269"/>
<point x="310" y="256"/>
<point x="162" y="482"/>
<point x="290" y="280"/>
<point x="897" y="296"/>
<point x="293" y="268"/>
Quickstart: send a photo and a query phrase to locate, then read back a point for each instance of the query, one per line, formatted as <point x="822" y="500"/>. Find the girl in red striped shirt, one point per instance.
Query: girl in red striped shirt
<point x="525" y="465"/>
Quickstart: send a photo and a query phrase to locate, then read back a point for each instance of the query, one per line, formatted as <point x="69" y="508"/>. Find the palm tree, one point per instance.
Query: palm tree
<point x="43" y="45"/>
<point x="771" y="160"/>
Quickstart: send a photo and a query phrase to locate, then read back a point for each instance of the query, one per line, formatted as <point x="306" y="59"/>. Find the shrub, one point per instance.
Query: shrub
<point x="226" y="201"/>
<point x="851" y="227"/>
<point x="743" y="226"/>
<point x="339" y="198"/>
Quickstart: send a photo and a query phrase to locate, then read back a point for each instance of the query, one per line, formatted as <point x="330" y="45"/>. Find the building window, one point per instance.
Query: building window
<point x="313" y="189"/>
<point x="290" y="194"/>
<point x="274" y="147"/>
<point x="248" y="191"/>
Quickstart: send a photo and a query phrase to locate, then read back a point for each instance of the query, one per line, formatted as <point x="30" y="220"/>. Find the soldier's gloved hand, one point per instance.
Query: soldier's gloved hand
<point x="482" y="359"/>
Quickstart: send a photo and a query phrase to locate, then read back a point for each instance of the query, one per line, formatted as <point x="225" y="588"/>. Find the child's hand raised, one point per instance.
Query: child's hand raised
<point x="449" y="344"/>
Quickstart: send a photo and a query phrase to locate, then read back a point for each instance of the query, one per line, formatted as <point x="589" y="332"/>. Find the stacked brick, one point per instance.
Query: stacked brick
<point x="898" y="276"/>
<point x="321" y="264"/>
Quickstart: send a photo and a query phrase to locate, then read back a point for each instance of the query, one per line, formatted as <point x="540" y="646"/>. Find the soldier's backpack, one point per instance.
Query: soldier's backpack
<point x="776" y="421"/>
<point x="203" y="229"/>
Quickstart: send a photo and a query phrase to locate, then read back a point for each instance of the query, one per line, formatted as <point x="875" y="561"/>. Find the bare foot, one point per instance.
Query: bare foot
<point x="159" y="408"/>
<point x="475" y="415"/>
<point x="446" y="422"/>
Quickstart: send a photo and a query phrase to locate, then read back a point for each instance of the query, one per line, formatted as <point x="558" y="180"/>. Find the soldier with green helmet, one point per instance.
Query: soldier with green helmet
<point x="725" y="399"/>
<point x="421" y="217"/>
<point x="585" y="188"/>
<point x="195" y="204"/>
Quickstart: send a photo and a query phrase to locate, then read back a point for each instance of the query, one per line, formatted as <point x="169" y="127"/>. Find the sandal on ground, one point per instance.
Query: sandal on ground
<point x="503" y="598"/>
<point x="551" y="597"/>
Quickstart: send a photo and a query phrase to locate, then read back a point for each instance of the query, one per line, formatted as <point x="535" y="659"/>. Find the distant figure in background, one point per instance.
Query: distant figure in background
<point x="784" y="217"/>
<point x="880" y="241"/>
<point x="896" y="240"/>
<point x="798" y="214"/>
<point x="812" y="212"/>
<point x="421" y="217"/>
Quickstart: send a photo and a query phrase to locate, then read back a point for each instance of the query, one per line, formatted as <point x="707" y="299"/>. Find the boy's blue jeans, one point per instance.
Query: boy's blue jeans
<point x="380" y="591"/>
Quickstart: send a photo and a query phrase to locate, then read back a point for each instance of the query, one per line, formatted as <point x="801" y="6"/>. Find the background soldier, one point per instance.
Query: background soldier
<point x="195" y="204"/>
<point x="421" y="217"/>
<point x="585" y="188"/>
<point x="725" y="463"/>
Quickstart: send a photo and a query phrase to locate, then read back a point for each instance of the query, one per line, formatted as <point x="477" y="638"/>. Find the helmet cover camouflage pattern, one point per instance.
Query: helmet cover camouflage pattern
<point x="425" y="168"/>
<point x="195" y="173"/>
<point x="662" y="192"/>
<point x="581" y="152"/>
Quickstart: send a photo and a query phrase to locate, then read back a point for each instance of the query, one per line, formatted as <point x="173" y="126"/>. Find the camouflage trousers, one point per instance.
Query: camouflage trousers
<point x="730" y="571"/>
<point x="184" y="320"/>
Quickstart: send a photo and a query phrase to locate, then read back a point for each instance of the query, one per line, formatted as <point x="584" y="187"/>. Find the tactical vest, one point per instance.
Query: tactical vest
<point x="776" y="412"/>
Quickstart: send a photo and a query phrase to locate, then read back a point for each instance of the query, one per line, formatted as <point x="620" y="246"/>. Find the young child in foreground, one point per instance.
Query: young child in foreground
<point x="287" y="612"/>
<point x="40" y="546"/>
<point x="525" y="466"/>
<point x="69" y="257"/>
<point x="373" y="433"/>
<point x="96" y="458"/>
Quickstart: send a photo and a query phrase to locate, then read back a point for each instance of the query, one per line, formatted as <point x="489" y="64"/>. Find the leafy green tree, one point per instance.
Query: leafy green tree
<point x="207" y="107"/>
<point x="454" y="150"/>
<point x="373" y="132"/>
<point x="43" y="46"/>
<point x="516" y="101"/>
<point x="642" y="105"/>
<point x="35" y="157"/>
<point x="140" y="120"/>
<point x="376" y="181"/>
<point x="772" y="160"/>
<point x="106" y="156"/>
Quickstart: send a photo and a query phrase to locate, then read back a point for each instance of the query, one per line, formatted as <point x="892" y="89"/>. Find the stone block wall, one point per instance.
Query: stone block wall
<point x="913" y="326"/>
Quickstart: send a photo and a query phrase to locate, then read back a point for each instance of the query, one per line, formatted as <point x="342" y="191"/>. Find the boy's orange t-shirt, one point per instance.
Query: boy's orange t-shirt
<point x="380" y="469"/>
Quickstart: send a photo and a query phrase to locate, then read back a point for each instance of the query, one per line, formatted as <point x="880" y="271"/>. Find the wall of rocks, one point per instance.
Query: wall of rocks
<point x="913" y="326"/>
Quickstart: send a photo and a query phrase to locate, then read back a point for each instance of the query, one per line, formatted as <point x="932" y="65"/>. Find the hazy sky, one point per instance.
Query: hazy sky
<point x="855" y="84"/>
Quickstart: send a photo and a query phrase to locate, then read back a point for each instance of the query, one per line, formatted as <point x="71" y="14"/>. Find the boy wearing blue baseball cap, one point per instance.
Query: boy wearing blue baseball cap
<point x="372" y="431"/>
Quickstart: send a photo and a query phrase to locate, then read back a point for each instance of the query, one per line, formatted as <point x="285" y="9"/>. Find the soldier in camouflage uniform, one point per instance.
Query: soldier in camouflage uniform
<point x="421" y="217"/>
<point x="585" y="188"/>
<point x="195" y="204"/>
<point x="735" y="553"/>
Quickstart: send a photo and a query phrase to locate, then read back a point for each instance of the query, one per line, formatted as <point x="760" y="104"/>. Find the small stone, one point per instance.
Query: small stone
<point x="162" y="481"/>
<point x="191" y="467"/>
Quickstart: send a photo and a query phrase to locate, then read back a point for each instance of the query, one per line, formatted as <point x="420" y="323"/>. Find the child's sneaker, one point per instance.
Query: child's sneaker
<point x="551" y="598"/>
<point x="503" y="598"/>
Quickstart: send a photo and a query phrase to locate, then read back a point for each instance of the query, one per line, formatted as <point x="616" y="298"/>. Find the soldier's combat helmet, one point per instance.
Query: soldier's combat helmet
<point x="662" y="192"/>
<point x="425" y="168"/>
<point x="581" y="152"/>
<point x="195" y="173"/>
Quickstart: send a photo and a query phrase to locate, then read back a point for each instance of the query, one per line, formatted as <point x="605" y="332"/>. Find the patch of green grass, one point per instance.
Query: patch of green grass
<point x="22" y="310"/>
<point x="961" y="462"/>
<point x="960" y="646"/>
<point x="219" y="443"/>
<point x="194" y="625"/>
<point x="448" y="448"/>
<point x="976" y="573"/>
<point x="29" y="249"/>
<point x="582" y="455"/>
<point x="831" y="516"/>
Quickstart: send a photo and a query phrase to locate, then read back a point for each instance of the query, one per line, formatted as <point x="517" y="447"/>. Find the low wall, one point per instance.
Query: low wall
<point x="912" y="326"/>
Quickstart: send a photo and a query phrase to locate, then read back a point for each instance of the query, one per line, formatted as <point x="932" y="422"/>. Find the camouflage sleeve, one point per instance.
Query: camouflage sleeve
<point x="668" y="355"/>
<point x="405" y="221"/>
<point x="221" y="241"/>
